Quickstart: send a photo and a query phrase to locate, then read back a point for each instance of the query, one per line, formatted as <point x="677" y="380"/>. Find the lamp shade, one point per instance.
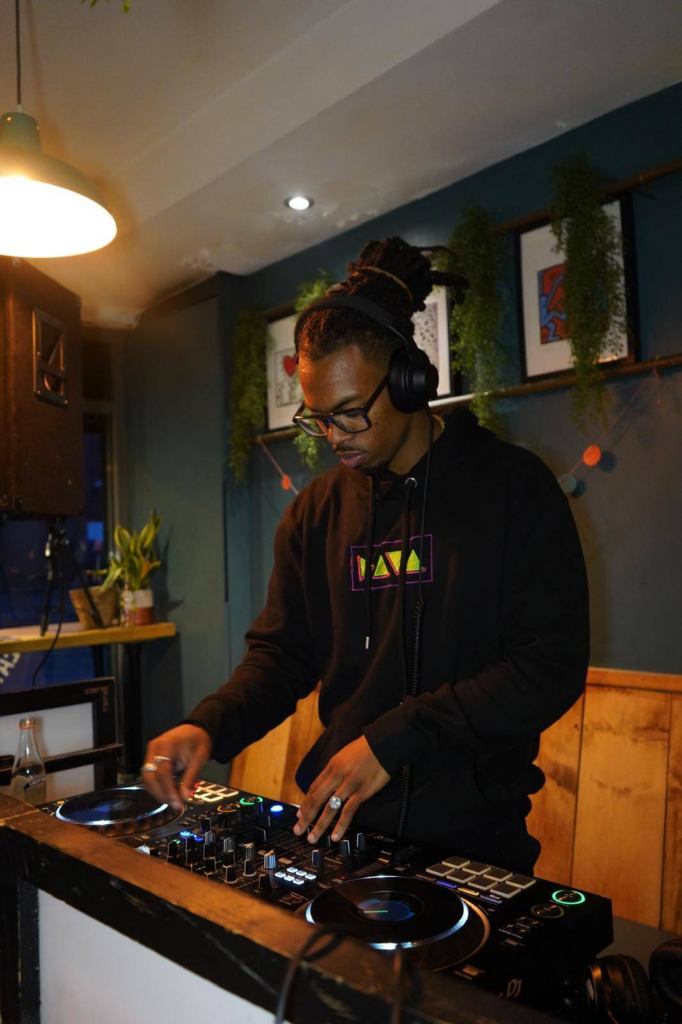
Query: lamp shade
<point x="47" y="207"/>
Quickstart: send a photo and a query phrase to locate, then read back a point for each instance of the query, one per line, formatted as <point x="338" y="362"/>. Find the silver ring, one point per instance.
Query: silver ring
<point x="158" y="758"/>
<point x="148" y="766"/>
<point x="336" y="803"/>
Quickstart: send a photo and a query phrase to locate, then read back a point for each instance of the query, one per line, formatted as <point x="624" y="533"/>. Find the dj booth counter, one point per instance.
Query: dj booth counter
<point x="179" y="945"/>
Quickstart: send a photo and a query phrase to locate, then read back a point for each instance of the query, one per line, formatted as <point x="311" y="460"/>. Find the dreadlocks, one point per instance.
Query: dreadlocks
<point x="396" y="276"/>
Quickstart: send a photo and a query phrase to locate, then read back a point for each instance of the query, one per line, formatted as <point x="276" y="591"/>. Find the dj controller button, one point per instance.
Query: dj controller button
<point x="477" y="869"/>
<point x="455" y="862"/>
<point x="280" y="874"/>
<point x="547" y="910"/>
<point x="439" y="870"/>
<point x="309" y="877"/>
<point x="522" y="881"/>
<point x="461" y="875"/>
<point x="482" y="882"/>
<point x="498" y="874"/>
<point x="514" y="943"/>
<point x="299" y="881"/>
<point x="284" y="860"/>
<point x="506" y="890"/>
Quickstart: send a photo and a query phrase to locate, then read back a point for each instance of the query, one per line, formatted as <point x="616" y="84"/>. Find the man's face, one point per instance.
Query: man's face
<point x="345" y="380"/>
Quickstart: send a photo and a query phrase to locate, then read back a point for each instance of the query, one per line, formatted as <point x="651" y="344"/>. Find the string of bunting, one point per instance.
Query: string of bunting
<point x="593" y="454"/>
<point x="286" y="480"/>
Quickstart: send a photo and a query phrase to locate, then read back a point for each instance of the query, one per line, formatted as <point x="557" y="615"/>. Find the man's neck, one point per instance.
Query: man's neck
<point x="417" y="443"/>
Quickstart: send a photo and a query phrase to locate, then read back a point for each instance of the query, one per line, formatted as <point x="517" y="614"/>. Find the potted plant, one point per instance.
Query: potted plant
<point x="130" y="568"/>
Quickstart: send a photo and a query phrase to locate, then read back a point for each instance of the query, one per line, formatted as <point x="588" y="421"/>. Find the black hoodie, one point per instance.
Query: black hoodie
<point x="505" y="635"/>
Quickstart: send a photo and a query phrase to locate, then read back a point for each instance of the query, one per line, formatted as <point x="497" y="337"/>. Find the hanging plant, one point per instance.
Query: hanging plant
<point x="477" y="314"/>
<point x="310" y="448"/>
<point x="248" y="386"/>
<point x="593" y="280"/>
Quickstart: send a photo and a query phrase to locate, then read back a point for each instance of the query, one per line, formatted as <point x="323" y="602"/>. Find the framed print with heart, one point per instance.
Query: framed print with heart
<point x="284" y="390"/>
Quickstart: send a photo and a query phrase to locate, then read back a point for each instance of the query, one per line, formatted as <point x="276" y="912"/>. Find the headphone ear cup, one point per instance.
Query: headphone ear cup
<point x="665" y="971"/>
<point x="411" y="383"/>
<point x="617" y="989"/>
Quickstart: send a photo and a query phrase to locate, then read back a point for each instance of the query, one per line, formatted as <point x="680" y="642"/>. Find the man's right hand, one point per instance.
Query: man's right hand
<point x="188" y="748"/>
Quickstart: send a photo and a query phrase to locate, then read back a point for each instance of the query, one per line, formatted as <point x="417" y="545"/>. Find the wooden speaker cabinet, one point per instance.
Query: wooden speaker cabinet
<point x="41" y="395"/>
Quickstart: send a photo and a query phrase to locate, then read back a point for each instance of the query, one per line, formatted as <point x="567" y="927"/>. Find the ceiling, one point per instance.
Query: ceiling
<point x="198" y="117"/>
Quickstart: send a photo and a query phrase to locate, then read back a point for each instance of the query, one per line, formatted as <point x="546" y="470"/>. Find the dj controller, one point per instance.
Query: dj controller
<point x="517" y="936"/>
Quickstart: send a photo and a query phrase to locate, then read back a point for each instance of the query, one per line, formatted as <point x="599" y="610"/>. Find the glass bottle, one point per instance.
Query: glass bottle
<point x="28" y="770"/>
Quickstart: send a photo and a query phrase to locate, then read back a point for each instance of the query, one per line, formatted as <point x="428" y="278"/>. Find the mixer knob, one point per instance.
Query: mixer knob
<point x="173" y="850"/>
<point x="264" y="883"/>
<point x="209" y="850"/>
<point x="249" y="850"/>
<point x="249" y="867"/>
<point x="209" y="865"/>
<point x="229" y="845"/>
<point x="210" y="836"/>
<point x="231" y="874"/>
<point x="264" y="820"/>
<point x="228" y="858"/>
<point x="270" y="861"/>
<point x="262" y="835"/>
<point x="360" y="841"/>
<point x="205" y="824"/>
<point x="325" y="840"/>
<point x="318" y="859"/>
<point x="345" y="850"/>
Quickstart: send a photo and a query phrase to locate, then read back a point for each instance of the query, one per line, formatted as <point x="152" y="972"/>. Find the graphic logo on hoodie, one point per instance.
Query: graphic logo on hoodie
<point x="386" y="560"/>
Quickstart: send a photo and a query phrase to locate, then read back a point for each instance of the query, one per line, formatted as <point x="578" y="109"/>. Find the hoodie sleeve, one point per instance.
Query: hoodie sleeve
<point x="278" y="668"/>
<point x="544" y="635"/>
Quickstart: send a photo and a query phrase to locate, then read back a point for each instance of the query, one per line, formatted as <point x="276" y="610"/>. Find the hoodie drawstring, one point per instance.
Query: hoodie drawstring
<point x="369" y="545"/>
<point x="410" y="485"/>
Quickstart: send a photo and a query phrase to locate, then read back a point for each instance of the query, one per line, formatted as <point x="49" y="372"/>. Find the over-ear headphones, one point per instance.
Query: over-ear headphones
<point x="618" y="991"/>
<point x="412" y="377"/>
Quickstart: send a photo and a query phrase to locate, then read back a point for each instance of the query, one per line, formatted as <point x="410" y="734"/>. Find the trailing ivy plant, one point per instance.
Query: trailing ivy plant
<point x="476" y="321"/>
<point x="593" y="280"/>
<point x="248" y="387"/>
<point x="309" y="448"/>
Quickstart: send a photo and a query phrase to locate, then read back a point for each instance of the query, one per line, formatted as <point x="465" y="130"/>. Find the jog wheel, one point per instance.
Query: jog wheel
<point x="123" y="810"/>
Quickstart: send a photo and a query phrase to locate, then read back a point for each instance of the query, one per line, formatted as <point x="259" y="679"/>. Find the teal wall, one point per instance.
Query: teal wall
<point x="174" y="457"/>
<point x="629" y="513"/>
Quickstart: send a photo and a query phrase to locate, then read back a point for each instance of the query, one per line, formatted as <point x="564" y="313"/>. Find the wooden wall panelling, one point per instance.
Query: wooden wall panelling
<point x="552" y="819"/>
<point x="671" y="902"/>
<point x="620" y="820"/>
<point x="268" y="766"/>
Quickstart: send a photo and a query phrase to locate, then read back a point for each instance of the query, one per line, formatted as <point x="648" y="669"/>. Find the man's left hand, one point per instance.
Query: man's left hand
<point x="354" y="775"/>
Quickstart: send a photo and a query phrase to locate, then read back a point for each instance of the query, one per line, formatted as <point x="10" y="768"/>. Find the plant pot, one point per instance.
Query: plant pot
<point x="141" y="607"/>
<point x="105" y="603"/>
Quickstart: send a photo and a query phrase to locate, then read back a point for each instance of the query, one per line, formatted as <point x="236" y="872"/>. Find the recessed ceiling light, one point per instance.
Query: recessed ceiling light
<point x="298" y="203"/>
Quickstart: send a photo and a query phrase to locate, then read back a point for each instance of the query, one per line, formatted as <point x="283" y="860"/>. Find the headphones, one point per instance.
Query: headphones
<point x="412" y="377"/>
<point x="617" y="990"/>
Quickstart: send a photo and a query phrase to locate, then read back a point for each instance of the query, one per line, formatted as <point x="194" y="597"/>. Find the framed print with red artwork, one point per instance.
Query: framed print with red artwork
<point x="544" y="341"/>
<point x="284" y="390"/>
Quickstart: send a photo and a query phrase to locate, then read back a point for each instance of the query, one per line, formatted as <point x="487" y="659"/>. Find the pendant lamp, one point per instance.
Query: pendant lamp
<point x="47" y="207"/>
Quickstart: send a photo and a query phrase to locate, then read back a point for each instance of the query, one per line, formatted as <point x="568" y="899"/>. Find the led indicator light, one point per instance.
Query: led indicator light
<point x="568" y="897"/>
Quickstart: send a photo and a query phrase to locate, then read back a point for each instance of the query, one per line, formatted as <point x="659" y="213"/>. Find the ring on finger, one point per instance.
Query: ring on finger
<point x="335" y="802"/>
<point x="158" y="758"/>
<point x="149" y="766"/>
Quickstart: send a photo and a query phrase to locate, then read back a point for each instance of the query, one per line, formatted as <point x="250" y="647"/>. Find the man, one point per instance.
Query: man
<point x="489" y="570"/>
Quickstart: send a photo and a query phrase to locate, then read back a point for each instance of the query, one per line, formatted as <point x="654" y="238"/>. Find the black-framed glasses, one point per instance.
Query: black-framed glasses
<point x="351" y="421"/>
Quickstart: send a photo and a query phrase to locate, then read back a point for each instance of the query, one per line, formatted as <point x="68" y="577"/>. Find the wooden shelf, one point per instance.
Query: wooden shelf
<point x="24" y="639"/>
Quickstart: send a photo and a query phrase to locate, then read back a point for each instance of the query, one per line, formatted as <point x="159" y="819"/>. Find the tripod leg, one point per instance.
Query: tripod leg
<point x="96" y="617"/>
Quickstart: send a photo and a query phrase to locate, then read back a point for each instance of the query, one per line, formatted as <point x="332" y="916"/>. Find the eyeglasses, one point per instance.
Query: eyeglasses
<point x="351" y="421"/>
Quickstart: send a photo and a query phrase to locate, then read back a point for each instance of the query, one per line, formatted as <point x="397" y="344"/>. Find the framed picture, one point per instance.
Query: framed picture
<point x="284" y="390"/>
<point x="545" y="346"/>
